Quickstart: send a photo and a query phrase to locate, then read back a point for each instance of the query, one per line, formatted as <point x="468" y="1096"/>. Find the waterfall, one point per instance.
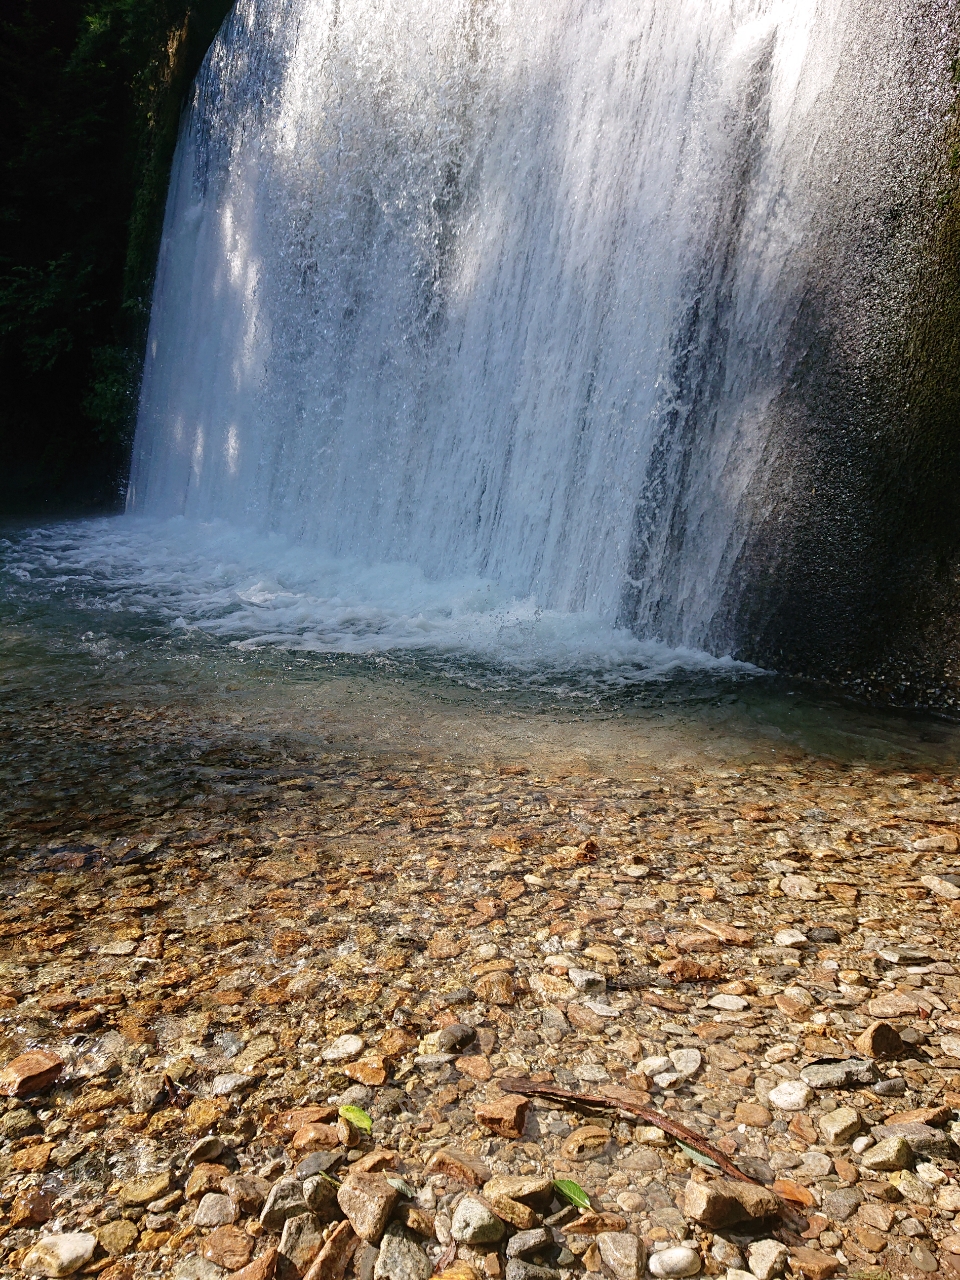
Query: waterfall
<point x="508" y="290"/>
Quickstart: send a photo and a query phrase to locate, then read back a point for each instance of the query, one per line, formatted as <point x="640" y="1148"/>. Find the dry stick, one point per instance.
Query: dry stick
<point x="520" y="1084"/>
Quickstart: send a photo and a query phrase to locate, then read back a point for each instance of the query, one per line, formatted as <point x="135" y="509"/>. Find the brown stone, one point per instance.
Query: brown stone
<point x="33" y="1159"/>
<point x="518" y="1215"/>
<point x="724" y="1202"/>
<point x="30" y="1073"/>
<point x="367" y="1199"/>
<point x="261" y="1268"/>
<point x="880" y="1216"/>
<point x="505" y="1115"/>
<point x="375" y="1160"/>
<point x="587" y="1141"/>
<point x="442" y="946"/>
<point x="331" y="1262"/>
<point x="316" y="1137"/>
<point x="922" y="1115"/>
<point x="585" y="1019"/>
<point x="455" y="1164"/>
<point x="531" y="1189"/>
<point x="371" y="1070"/>
<point x="591" y="1224"/>
<point x="871" y="1239"/>
<point x="476" y="1066"/>
<point x="793" y="1191"/>
<point x="204" y="1178"/>
<point x="228" y="1247"/>
<point x="792" y="1006"/>
<point x="846" y="1171"/>
<point x="880" y="1040"/>
<point x="288" y="1122"/>
<point x="496" y="988"/>
<point x="752" y="1114"/>
<point x="813" y="1263"/>
<point x="247" y="1193"/>
<point x="117" y="1237"/>
<point x="31" y="1208"/>
<point x="395" y="1042"/>
<point x="803" y="1127"/>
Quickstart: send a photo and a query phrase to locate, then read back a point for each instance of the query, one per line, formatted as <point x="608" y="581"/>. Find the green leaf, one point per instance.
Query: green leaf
<point x="357" y="1116"/>
<point x="398" y="1184"/>
<point x="697" y="1155"/>
<point x="573" y="1192"/>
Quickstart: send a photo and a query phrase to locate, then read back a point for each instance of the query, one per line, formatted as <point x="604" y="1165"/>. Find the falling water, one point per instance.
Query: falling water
<point x="506" y="290"/>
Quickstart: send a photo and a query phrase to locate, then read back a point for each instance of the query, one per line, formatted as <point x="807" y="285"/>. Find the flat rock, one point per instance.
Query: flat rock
<point x="923" y="1139"/>
<point x="814" y="1264"/>
<point x="532" y="1241"/>
<point x="228" y="1247"/>
<point x="30" y="1073"/>
<point x="724" y="1202"/>
<point x="343" y="1049"/>
<point x="117" y="1237"/>
<point x="839" y="1075"/>
<point x="766" y="1259"/>
<point x="146" y="1187"/>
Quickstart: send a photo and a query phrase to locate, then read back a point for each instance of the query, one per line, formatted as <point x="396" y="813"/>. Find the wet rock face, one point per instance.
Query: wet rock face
<point x="377" y="941"/>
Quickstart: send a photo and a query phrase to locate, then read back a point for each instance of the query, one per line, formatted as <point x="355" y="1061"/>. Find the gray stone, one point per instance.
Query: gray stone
<point x="727" y="1254"/>
<point x="622" y="1253"/>
<point x="231" y="1082"/>
<point x="214" y="1210"/>
<point x="686" y="1062"/>
<point x="678" y="1260"/>
<point x="301" y="1241"/>
<point x="284" y="1201"/>
<point x="840" y="1125"/>
<point x="913" y="1188"/>
<point x="455" y="1037"/>
<point x="343" y="1049"/>
<point x="474" y="1223"/>
<point x="194" y="1267"/>
<point x="401" y="1258"/>
<point x="792" y="1095"/>
<point x="815" y="1164"/>
<point x="319" y="1192"/>
<point x="890" y="1154"/>
<point x="842" y="1204"/>
<point x="922" y="1139"/>
<point x="517" y="1269"/>
<point x="895" y="1087"/>
<point x="59" y="1255"/>
<point x="839" y="1075"/>
<point x="318" y="1162"/>
<point x="247" y="1192"/>
<point x="768" y="1258"/>
<point x="532" y="1241"/>
<point x="365" y="1260"/>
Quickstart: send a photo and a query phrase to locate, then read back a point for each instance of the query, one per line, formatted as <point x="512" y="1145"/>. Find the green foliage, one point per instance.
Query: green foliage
<point x="91" y="95"/>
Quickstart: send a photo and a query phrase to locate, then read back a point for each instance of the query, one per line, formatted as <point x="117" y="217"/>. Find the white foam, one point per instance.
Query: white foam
<point x="255" y="591"/>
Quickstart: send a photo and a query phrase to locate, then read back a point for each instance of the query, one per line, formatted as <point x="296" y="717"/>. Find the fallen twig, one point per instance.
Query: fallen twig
<point x="523" y="1085"/>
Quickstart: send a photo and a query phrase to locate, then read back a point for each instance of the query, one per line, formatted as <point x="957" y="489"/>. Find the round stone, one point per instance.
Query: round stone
<point x="677" y="1261"/>
<point x="792" y="1095"/>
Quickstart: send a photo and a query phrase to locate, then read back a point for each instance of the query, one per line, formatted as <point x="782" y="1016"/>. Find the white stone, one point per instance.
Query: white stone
<point x="942" y="888"/>
<point x="801" y="887"/>
<point x="676" y="1261"/>
<point x="59" y="1255"/>
<point x="788" y="938"/>
<point x="343" y="1049"/>
<point x="792" y="1095"/>
<point x="622" y="1252"/>
<point x="586" y="980"/>
<point x="667" y="1079"/>
<point x="931" y="1175"/>
<point x="766" y="1259"/>
<point x="654" y="1066"/>
<point x="815" y="1164"/>
<point x="732" y="1004"/>
<point x="734" y="1273"/>
<point x="686" y="1062"/>
<point x="950" y="1045"/>
<point x="948" y="1198"/>
<point x="650" y="1135"/>
<point x="781" y="1052"/>
<point x="859" y="1145"/>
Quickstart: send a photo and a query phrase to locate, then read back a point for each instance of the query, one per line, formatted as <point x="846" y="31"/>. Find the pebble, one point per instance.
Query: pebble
<point x="474" y="1223"/>
<point x="214" y="1210"/>
<point x="792" y="1095"/>
<point x="344" y="1049"/>
<point x="622" y="1252"/>
<point x="686" y="1062"/>
<point x="59" y="1255"/>
<point x="888" y="1155"/>
<point x="839" y="1075"/>
<point x="732" y="1004"/>
<point x="367" y="1199"/>
<point x="675" y="1261"/>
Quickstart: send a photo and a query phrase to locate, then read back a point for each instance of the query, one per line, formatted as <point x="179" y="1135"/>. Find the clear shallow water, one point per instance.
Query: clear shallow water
<point x="267" y="633"/>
